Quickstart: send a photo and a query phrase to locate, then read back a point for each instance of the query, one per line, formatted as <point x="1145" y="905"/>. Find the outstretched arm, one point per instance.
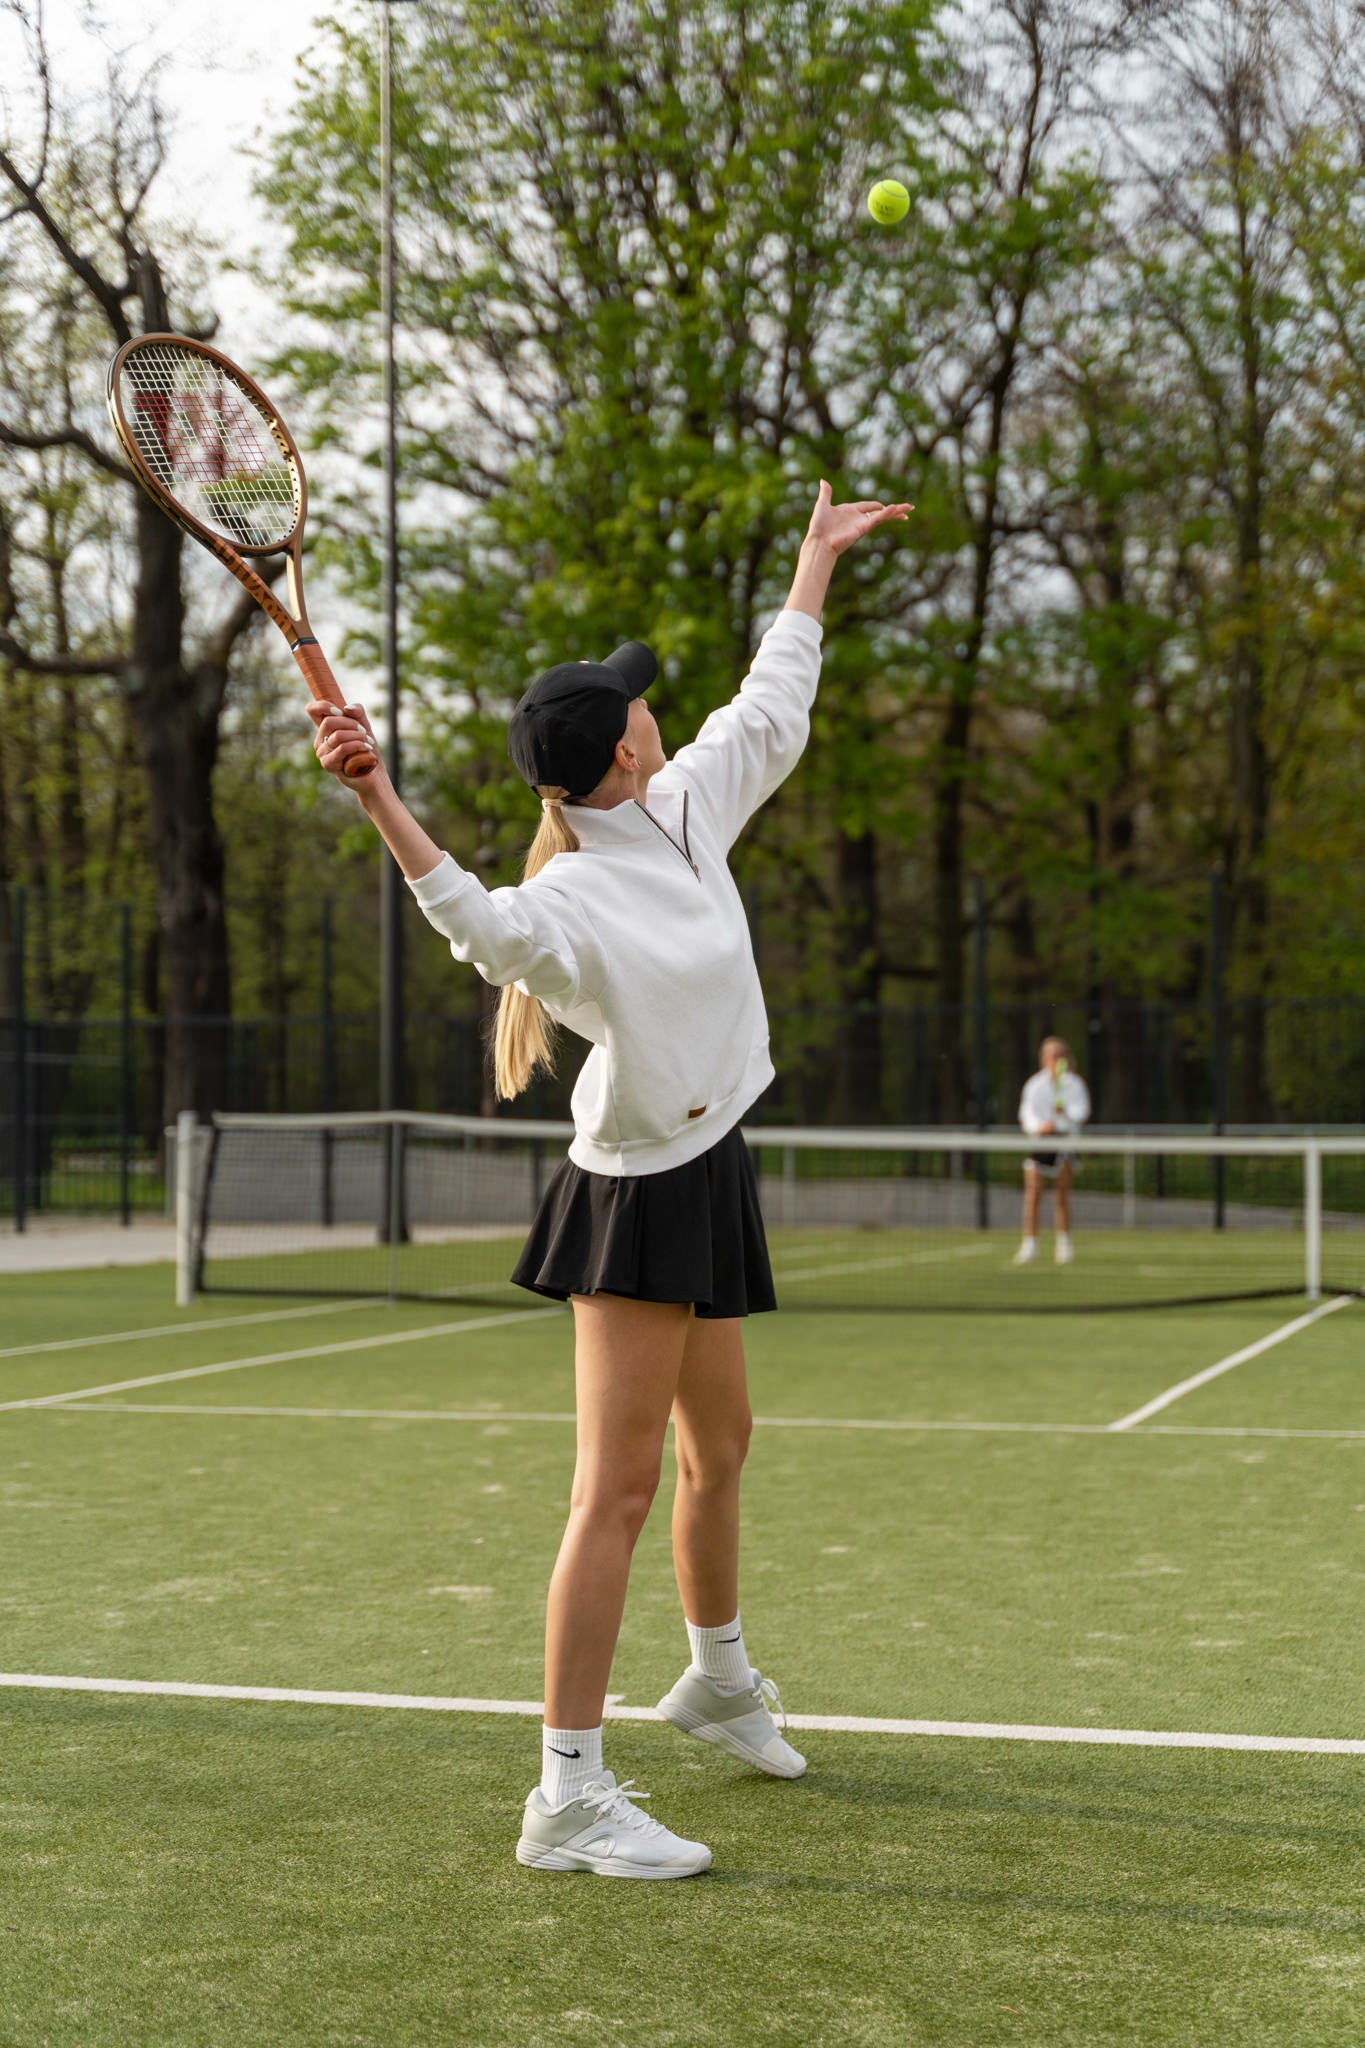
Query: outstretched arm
<point x="747" y="747"/>
<point x="532" y="936"/>
<point x="832" y="531"/>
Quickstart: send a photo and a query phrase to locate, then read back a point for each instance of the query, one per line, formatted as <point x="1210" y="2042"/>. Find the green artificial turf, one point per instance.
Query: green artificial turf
<point x="181" y="1871"/>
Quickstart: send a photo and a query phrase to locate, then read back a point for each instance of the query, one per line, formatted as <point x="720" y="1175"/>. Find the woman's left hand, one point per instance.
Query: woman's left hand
<point x="837" y="527"/>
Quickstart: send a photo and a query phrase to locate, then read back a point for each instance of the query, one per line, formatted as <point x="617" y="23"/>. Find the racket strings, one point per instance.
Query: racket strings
<point x="209" y="446"/>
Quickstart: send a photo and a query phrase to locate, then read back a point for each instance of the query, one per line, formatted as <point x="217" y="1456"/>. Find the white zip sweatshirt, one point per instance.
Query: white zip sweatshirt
<point x="639" y="943"/>
<point x="1065" y="1107"/>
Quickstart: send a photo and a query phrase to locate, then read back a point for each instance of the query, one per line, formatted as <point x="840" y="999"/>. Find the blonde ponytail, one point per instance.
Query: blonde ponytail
<point x="523" y="1037"/>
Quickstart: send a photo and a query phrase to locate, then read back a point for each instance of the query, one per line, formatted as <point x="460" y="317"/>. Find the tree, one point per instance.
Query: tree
<point x="1222" y="266"/>
<point x="82" y="275"/>
<point x="639" y="294"/>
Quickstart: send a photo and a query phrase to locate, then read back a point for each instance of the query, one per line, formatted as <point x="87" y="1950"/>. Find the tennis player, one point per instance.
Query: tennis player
<point x="1055" y="1103"/>
<point x="628" y="931"/>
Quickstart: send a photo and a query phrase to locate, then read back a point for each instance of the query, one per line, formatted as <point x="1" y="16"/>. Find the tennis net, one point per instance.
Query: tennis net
<point x="400" y="1206"/>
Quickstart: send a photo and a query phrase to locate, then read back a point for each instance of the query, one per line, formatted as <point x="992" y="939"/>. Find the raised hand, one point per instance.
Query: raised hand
<point x="837" y="527"/>
<point x="341" y="734"/>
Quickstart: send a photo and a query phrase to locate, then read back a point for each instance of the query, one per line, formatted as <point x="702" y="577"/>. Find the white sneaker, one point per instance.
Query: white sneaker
<point x="1027" y="1252"/>
<point x="1064" y="1252"/>
<point x="603" y="1830"/>
<point x="741" y="1722"/>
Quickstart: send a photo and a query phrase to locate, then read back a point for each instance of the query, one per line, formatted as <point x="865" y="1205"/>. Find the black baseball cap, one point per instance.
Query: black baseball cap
<point x="564" y="731"/>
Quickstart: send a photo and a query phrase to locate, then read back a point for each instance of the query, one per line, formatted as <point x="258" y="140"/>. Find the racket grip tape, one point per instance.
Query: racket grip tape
<point x="318" y="675"/>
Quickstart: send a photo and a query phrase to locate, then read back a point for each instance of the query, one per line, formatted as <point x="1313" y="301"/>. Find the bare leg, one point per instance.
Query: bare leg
<point x="627" y="1357"/>
<point x="1061" y="1197"/>
<point x="711" y="1422"/>
<point x="1033" y="1188"/>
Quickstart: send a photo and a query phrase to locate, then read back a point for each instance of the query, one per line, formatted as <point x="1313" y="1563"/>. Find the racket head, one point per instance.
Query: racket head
<point x="206" y="443"/>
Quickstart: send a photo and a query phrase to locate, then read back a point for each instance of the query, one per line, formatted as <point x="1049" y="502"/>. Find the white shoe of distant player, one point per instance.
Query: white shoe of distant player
<point x="1064" y="1252"/>
<point x="604" y="1831"/>
<point x="741" y="1722"/>
<point x="1027" y="1252"/>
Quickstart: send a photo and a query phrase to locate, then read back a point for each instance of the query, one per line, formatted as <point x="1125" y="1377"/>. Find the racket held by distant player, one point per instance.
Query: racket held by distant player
<point x="210" y="449"/>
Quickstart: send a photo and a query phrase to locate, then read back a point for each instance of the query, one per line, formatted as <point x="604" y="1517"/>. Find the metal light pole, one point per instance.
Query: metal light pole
<point x="392" y="1033"/>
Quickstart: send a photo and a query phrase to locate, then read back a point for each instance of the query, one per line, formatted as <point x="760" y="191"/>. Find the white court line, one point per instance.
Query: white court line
<point x="1211" y="1372"/>
<point x="195" y="1372"/>
<point x="794" y="1273"/>
<point x="910" y="1427"/>
<point x="189" y="1328"/>
<point x="843" y="1724"/>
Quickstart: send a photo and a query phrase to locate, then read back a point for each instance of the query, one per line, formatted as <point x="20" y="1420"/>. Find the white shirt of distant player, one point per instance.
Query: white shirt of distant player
<point x="1063" y="1102"/>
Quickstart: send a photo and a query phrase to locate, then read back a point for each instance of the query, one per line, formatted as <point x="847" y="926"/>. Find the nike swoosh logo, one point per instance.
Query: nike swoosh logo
<point x="730" y="1639"/>
<point x="564" y="1752"/>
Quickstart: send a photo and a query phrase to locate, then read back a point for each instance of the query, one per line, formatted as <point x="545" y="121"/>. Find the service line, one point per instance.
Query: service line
<point x="187" y="1327"/>
<point x="195" y="1372"/>
<point x="1212" y="1372"/>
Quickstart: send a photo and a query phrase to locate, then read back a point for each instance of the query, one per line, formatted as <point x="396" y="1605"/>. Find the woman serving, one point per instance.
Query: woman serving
<point x="629" y="931"/>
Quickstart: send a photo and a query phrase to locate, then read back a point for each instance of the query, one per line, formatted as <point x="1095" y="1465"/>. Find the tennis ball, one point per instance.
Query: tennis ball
<point x="888" y="202"/>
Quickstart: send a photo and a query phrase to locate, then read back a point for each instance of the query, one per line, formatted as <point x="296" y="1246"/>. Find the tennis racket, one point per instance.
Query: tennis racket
<point x="210" y="449"/>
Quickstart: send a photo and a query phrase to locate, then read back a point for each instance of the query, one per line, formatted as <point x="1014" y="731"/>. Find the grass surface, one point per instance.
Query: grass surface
<point x="182" y="1872"/>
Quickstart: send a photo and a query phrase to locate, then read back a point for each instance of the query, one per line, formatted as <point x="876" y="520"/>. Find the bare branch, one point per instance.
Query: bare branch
<point x="67" y="437"/>
<point x="31" y="202"/>
<point x="59" y="665"/>
<point x="219" y="646"/>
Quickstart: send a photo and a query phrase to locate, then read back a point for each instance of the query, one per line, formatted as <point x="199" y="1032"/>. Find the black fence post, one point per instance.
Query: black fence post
<point x="328" y="1050"/>
<point x="1218" y="1021"/>
<point x="980" y="1060"/>
<point x="21" y="1101"/>
<point x="125" y="1065"/>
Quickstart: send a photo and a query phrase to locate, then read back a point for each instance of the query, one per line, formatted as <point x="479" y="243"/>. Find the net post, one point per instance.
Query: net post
<point x="1312" y="1221"/>
<point x="1129" y="1188"/>
<point x="186" y="1205"/>
<point x="789" y="1183"/>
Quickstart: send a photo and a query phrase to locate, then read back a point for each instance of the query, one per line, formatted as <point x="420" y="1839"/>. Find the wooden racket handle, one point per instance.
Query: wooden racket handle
<point x="318" y="675"/>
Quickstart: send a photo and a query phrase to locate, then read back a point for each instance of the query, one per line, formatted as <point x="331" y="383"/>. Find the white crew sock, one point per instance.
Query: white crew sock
<point x="570" y="1758"/>
<point x="719" y="1654"/>
<point x="1063" y="1244"/>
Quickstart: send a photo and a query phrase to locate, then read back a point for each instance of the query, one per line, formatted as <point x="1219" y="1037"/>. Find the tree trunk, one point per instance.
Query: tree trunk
<point x="175" y="717"/>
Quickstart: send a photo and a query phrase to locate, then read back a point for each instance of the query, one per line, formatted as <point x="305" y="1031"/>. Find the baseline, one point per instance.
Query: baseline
<point x="195" y="1372"/>
<point x="1213" y="1372"/>
<point x="69" y="1405"/>
<point x="838" y="1724"/>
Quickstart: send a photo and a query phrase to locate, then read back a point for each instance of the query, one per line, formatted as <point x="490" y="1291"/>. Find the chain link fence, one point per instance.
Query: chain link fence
<point x="83" y="1052"/>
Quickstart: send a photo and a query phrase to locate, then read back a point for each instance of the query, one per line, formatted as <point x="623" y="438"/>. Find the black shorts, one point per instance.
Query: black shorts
<point x="692" y="1233"/>
<point x="1049" y="1162"/>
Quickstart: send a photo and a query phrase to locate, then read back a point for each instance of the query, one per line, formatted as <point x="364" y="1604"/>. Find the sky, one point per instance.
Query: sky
<point x="227" y="73"/>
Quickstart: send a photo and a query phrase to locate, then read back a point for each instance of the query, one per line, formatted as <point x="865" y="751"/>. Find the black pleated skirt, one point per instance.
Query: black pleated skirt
<point x="692" y="1233"/>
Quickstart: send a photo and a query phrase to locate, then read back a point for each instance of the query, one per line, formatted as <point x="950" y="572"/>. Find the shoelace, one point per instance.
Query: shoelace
<point x="768" y="1688"/>
<point x="613" y="1802"/>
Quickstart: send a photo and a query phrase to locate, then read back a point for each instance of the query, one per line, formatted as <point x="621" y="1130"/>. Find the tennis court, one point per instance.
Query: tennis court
<point x="943" y="1526"/>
